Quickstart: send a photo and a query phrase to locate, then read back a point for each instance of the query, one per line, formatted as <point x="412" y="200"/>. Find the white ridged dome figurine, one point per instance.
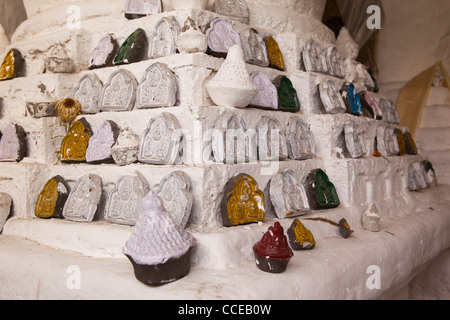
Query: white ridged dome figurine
<point x="371" y="219"/>
<point x="232" y="86"/>
<point x="191" y="39"/>
<point x="159" y="249"/>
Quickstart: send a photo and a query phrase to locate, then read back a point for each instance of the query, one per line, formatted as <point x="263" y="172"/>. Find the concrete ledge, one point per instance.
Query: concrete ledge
<point x="336" y="269"/>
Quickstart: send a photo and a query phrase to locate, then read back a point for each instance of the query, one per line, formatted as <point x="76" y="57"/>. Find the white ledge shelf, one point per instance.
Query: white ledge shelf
<point x="404" y="246"/>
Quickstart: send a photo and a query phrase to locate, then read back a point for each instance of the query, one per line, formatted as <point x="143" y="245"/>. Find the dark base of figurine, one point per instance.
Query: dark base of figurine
<point x="291" y="110"/>
<point x="216" y="54"/>
<point x="22" y="148"/>
<point x="158" y="275"/>
<point x="273" y="66"/>
<point x="271" y="265"/>
<point x="132" y="16"/>
<point x="102" y="161"/>
<point x="263" y="108"/>
<point x="72" y="161"/>
<point x="19" y="65"/>
<point x="367" y="111"/>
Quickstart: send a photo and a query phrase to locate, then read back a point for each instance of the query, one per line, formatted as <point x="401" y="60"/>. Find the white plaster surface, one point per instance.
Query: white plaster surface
<point x="414" y="226"/>
<point x="333" y="270"/>
<point x="434" y="133"/>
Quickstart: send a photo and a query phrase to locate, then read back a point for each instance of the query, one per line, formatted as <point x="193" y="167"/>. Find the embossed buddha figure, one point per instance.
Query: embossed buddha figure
<point x="154" y="88"/>
<point x="125" y="201"/>
<point x="169" y="194"/>
<point x="274" y="53"/>
<point x="174" y="191"/>
<point x="267" y="96"/>
<point x="334" y="96"/>
<point x="331" y="98"/>
<point x="303" y="141"/>
<point x="116" y="94"/>
<point x="157" y="141"/>
<point x="354" y="140"/>
<point x="235" y="141"/>
<point x="47" y="200"/>
<point x="287" y="95"/>
<point x="133" y="49"/>
<point x="160" y="143"/>
<point x="100" y="144"/>
<point x="101" y="52"/>
<point x="87" y="96"/>
<point x="293" y="195"/>
<point x="52" y="198"/>
<point x="76" y="142"/>
<point x="12" y="65"/>
<point x="374" y="105"/>
<point x="271" y="140"/>
<point x="325" y="191"/>
<point x="83" y="201"/>
<point x="157" y="88"/>
<point x="79" y="200"/>
<point x="9" y="144"/>
<point x="163" y="40"/>
<point x="221" y="37"/>
<point x="336" y="63"/>
<point x="255" y="48"/>
<point x="274" y="131"/>
<point x="243" y="203"/>
<point x="316" y="56"/>
<point x="392" y="142"/>
<point x="313" y="53"/>
<point x="104" y="52"/>
<point x="352" y="97"/>
<point x="300" y="238"/>
<point x="7" y="67"/>
<point x="358" y="141"/>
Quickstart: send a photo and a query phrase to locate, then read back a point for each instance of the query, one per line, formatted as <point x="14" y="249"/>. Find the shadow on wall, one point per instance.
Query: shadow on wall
<point x="12" y="14"/>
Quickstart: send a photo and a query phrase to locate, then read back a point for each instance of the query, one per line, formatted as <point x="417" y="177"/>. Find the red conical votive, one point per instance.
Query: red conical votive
<point x="272" y="252"/>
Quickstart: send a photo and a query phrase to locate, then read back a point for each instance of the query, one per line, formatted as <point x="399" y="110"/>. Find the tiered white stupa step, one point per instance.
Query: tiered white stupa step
<point x="36" y="43"/>
<point x="101" y="239"/>
<point x="223" y="263"/>
<point x="434" y="134"/>
<point x="336" y="269"/>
